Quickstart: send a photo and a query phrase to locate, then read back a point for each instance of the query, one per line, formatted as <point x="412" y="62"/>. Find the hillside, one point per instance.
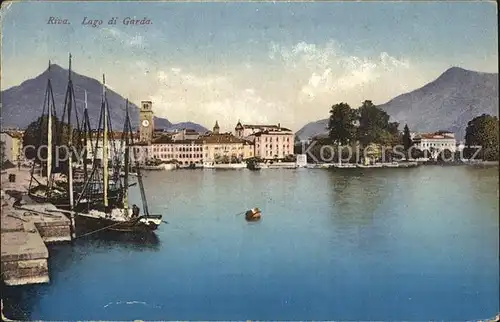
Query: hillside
<point x="447" y="103"/>
<point x="23" y="104"/>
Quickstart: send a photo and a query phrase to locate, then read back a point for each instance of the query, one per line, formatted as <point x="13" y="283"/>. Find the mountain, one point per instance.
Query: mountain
<point x="312" y="129"/>
<point x="23" y="104"/>
<point x="188" y="125"/>
<point x="447" y="103"/>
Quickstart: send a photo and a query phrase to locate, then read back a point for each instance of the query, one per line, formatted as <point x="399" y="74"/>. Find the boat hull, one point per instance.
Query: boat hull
<point x="142" y="224"/>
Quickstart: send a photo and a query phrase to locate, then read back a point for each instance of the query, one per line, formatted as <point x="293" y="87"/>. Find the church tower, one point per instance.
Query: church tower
<point x="216" y="128"/>
<point x="146" y="126"/>
<point x="238" y="130"/>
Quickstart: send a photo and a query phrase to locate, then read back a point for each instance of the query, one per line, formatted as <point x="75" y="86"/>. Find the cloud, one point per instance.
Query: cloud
<point x="136" y="41"/>
<point x="328" y="70"/>
<point x="294" y="85"/>
<point x="206" y="98"/>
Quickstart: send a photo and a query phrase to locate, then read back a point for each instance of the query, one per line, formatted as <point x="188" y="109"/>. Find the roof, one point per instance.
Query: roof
<point x="433" y="136"/>
<point x="14" y="134"/>
<point x="114" y="134"/>
<point x="166" y="139"/>
<point x="221" y="138"/>
<point x="260" y="126"/>
<point x="281" y="131"/>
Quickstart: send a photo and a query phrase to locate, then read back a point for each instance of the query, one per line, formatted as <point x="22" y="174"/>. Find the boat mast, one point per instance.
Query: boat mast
<point x="70" y="141"/>
<point x="126" y="157"/>
<point x="105" y="143"/>
<point x="85" y="118"/>
<point x="139" y="175"/>
<point x="49" y="145"/>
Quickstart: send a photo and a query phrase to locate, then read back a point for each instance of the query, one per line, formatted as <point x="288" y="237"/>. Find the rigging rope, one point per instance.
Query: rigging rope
<point x="100" y="229"/>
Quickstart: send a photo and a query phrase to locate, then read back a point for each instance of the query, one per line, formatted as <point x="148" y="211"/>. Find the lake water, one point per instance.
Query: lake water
<point x="412" y="244"/>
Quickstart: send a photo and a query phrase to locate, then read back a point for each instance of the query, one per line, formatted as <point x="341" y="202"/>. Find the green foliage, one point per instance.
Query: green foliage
<point x="36" y="136"/>
<point x="374" y="126"/>
<point x="254" y="160"/>
<point x="445" y="155"/>
<point x="483" y="131"/>
<point x="407" y="141"/>
<point x="342" y="123"/>
<point x="235" y="159"/>
<point x="224" y="159"/>
<point x="2" y="152"/>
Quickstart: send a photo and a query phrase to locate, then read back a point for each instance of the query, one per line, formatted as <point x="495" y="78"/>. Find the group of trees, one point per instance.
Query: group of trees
<point x="36" y="138"/>
<point x="227" y="158"/>
<point x="370" y="125"/>
<point x="367" y="125"/>
<point x="2" y="153"/>
<point x="481" y="136"/>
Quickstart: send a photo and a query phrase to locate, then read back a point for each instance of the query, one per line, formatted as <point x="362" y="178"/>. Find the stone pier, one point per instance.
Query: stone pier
<point x="25" y="230"/>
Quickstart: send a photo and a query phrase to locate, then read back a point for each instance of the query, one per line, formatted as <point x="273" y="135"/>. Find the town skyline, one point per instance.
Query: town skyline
<point x="257" y="62"/>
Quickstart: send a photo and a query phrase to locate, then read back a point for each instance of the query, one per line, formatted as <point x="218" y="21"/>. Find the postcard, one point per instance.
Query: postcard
<point x="249" y="160"/>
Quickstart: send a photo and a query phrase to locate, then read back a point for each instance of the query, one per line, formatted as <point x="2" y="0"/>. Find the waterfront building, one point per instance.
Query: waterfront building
<point x="184" y="152"/>
<point x="269" y="141"/>
<point x="13" y="145"/>
<point x="437" y="141"/>
<point x="225" y="147"/>
<point x="115" y="148"/>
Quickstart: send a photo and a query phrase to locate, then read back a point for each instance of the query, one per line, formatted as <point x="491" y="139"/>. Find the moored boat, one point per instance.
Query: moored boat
<point x="118" y="219"/>
<point x="95" y="209"/>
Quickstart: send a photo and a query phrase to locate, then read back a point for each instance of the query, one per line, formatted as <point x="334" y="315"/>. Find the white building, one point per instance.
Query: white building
<point x="13" y="145"/>
<point x="270" y="141"/>
<point x="438" y="141"/>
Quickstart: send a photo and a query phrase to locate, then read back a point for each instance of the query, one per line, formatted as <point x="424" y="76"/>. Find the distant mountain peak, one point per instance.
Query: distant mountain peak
<point x="22" y="104"/>
<point x="447" y="103"/>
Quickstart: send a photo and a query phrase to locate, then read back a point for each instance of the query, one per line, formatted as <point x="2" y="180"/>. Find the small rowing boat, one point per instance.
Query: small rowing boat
<point x="253" y="214"/>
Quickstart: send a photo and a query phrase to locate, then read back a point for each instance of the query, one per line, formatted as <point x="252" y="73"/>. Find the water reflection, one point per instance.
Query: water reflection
<point x="398" y="241"/>
<point x="358" y="195"/>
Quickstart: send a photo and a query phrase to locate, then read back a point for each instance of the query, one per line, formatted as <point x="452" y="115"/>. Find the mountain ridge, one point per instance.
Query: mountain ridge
<point x="23" y="103"/>
<point x="448" y="102"/>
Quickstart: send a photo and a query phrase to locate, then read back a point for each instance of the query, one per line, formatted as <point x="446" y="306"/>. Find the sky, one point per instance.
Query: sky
<point x="258" y="62"/>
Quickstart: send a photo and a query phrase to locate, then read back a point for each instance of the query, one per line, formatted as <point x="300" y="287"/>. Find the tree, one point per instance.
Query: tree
<point x="374" y="126"/>
<point x="341" y="125"/>
<point x="36" y="136"/>
<point x="445" y="155"/>
<point x="2" y="153"/>
<point x="407" y="141"/>
<point x="482" y="131"/>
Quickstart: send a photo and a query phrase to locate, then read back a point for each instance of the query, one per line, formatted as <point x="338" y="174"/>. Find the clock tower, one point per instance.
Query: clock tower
<point x="146" y="126"/>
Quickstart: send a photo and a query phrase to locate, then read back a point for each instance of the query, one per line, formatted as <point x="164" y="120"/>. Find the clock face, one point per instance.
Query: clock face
<point x="145" y="123"/>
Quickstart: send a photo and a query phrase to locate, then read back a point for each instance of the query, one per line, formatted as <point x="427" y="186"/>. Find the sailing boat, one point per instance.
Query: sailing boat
<point x="51" y="191"/>
<point x="113" y="213"/>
